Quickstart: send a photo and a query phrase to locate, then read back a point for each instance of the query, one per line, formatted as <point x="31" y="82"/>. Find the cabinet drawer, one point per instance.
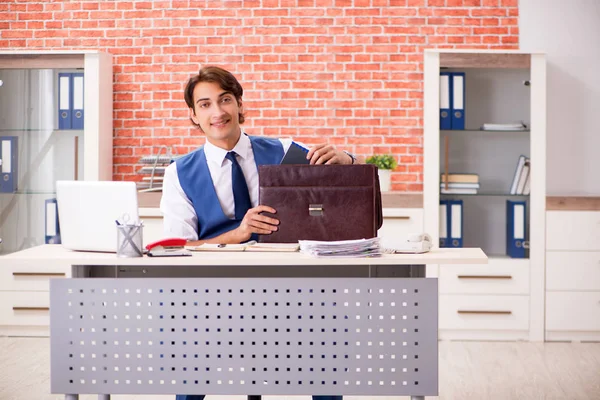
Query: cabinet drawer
<point x="153" y="224"/>
<point x="398" y="223"/>
<point x="573" y="230"/>
<point x="479" y="312"/>
<point x="573" y="270"/>
<point x="30" y="277"/>
<point x="153" y="230"/>
<point x="573" y="311"/>
<point x="500" y="276"/>
<point x="24" y="308"/>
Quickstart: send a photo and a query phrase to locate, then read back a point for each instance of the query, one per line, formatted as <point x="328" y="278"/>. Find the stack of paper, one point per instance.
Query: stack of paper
<point x="342" y="248"/>
<point x="504" y="127"/>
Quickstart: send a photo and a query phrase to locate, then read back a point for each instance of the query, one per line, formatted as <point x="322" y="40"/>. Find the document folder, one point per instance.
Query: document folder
<point x="296" y="154"/>
<point x="458" y="100"/>
<point x="455" y="232"/>
<point x="445" y="101"/>
<point x="8" y="164"/>
<point x="517" y="176"/>
<point x="52" y="234"/>
<point x="77" y="102"/>
<point x="64" y="100"/>
<point x="444" y="223"/>
<point x="321" y="202"/>
<point x="516" y="226"/>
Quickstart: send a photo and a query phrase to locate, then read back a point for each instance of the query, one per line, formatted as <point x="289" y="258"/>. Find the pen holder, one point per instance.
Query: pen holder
<point x="129" y="240"/>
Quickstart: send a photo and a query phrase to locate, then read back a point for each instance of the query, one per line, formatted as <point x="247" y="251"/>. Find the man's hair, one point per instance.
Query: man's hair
<point x="222" y="77"/>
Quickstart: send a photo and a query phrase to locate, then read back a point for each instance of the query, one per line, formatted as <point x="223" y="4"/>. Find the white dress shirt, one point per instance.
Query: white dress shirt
<point x="180" y="218"/>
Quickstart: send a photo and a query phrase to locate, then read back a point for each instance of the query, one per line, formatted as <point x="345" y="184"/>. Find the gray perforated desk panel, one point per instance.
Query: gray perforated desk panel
<point x="372" y="332"/>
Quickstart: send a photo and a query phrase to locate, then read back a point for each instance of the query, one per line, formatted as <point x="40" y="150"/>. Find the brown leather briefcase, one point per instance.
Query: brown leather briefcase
<point x="321" y="202"/>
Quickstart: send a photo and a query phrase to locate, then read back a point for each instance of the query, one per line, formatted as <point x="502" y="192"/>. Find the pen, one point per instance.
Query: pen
<point x="221" y="245"/>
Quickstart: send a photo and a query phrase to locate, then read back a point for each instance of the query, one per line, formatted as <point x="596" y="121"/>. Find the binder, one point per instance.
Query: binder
<point x="77" y="101"/>
<point x="523" y="178"/>
<point x="8" y="164"/>
<point x="296" y="154"/>
<point x="515" y="228"/>
<point x="444" y="223"/>
<point x="455" y="231"/>
<point x="527" y="187"/>
<point x="518" y="172"/>
<point x="445" y="101"/>
<point x="458" y="100"/>
<point x="52" y="227"/>
<point x="64" y="100"/>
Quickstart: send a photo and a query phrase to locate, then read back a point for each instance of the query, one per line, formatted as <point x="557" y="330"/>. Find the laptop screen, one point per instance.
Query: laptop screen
<point x="88" y="211"/>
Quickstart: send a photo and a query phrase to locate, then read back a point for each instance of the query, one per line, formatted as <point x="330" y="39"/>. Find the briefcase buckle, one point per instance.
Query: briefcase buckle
<point x="315" y="210"/>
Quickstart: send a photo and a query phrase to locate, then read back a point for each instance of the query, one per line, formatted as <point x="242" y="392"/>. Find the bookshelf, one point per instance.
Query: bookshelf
<point x="29" y="111"/>
<point x="500" y="87"/>
<point x="29" y="101"/>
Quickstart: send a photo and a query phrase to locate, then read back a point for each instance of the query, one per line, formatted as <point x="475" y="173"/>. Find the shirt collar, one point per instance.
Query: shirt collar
<point x="217" y="155"/>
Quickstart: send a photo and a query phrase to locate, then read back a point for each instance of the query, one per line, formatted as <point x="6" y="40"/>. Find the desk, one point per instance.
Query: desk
<point x="245" y="323"/>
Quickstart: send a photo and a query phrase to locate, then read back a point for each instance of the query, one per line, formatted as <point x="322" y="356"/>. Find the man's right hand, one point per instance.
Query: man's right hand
<point x="254" y="222"/>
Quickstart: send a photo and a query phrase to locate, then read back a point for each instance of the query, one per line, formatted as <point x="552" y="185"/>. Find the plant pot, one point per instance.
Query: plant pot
<point x="385" y="179"/>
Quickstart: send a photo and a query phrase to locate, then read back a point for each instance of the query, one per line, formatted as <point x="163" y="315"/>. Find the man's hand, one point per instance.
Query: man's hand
<point x="254" y="222"/>
<point x="327" y="154"/>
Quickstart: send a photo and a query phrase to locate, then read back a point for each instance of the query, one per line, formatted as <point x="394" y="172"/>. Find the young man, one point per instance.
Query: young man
<point x="211" y="194"/>
<point x="200" y="189"/>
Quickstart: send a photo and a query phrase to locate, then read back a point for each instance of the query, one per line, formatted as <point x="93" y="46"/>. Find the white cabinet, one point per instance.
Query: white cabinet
<point x="153" y="224"/>
<point x="573" y="315"/>
<point x="398" y="223"/>
<point x="24" y="295"/>
<point x="484" y="317"/>
<point x="49" y="145"/>
<point x="573" y="271"/>
<point x="47" y="152"/>
<point x="573" y="275"/>
<point x="485" y="302"/>
<point x="573" y="230"/>
<point x="485" y="160"/>
<point x="497" y="277"/>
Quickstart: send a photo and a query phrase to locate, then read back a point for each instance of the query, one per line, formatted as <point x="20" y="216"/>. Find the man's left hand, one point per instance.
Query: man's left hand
<point x="327" y="154"/>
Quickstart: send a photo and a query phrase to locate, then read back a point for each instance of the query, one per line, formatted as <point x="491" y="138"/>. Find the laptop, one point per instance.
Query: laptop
<point x="87" y="211"/>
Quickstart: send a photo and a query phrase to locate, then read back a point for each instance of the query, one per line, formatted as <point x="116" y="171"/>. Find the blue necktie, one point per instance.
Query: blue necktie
<point x="241" y="196"/>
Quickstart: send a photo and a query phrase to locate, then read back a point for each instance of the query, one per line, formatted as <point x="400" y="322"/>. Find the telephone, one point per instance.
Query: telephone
<point x="414" y="243"/>
<point x="169" y="247"/>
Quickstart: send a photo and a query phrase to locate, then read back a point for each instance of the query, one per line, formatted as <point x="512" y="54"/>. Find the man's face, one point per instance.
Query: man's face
<point x="217" y="113"/>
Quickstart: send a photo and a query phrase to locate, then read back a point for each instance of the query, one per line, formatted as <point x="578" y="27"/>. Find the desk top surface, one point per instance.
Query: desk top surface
<point x="57" y="253"/>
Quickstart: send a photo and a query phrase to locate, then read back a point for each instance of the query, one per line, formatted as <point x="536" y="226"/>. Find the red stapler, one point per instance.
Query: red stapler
<point x="169" y="247"/>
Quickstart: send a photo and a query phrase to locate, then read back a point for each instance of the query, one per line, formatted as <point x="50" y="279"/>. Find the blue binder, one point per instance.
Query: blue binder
<point x="77" y="105"/>
<point x="516" y="225"/>
<point x="65" y="96"/>
<point x="9" y="165"/>
<point x="455" y="223"/>
<point x="445" y="100"/>
<point x="444" y="223"/>
<point x="458" y="100"/>
<point x="52" y="227"/>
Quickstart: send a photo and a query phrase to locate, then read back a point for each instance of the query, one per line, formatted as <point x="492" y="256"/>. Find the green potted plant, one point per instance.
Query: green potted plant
<point x="385" y="163"/>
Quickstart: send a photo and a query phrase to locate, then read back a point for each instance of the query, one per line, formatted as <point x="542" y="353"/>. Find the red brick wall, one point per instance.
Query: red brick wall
<point x="349" y="72"/>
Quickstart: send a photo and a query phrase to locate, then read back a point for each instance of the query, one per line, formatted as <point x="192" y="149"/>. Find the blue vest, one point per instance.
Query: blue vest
<point x="197" y="184"/>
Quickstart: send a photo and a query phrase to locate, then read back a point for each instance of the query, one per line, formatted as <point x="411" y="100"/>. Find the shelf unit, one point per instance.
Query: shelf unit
<point x="503" y="309"/>
<point x="29" y="99"/>
<point x="46" y="154"/>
